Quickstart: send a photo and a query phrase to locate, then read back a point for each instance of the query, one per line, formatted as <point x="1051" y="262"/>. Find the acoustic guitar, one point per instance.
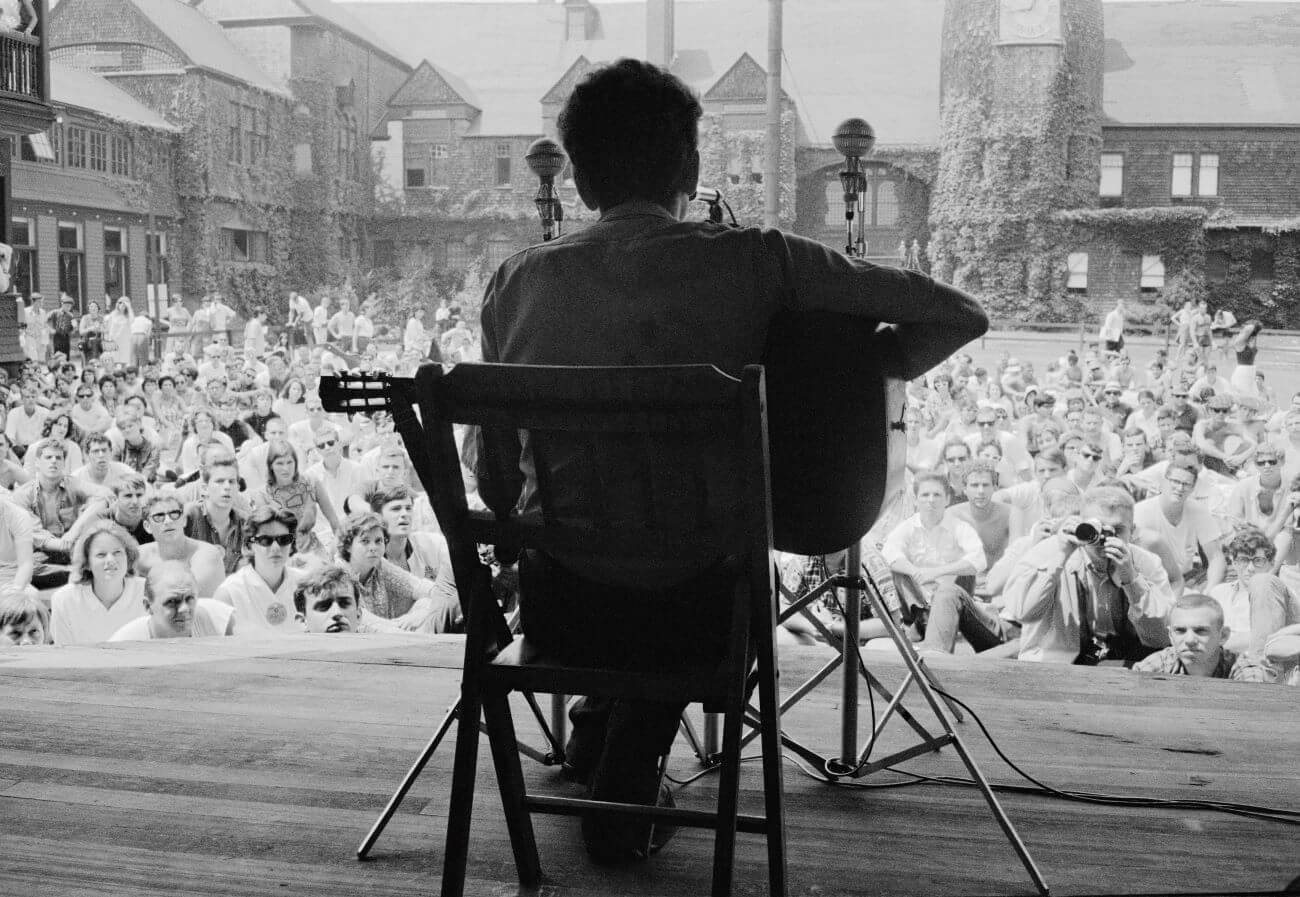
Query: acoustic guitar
<point x="835" y="425"/>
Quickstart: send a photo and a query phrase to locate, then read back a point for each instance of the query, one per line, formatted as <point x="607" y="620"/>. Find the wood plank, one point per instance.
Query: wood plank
<point x="257" y="770"/>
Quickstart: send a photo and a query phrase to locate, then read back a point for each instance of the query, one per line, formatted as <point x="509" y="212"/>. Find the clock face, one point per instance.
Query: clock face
<point x="1030" y="20"/>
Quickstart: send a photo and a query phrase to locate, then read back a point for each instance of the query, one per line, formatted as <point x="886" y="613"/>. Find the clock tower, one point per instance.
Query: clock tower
<point x="1020" y="139"/>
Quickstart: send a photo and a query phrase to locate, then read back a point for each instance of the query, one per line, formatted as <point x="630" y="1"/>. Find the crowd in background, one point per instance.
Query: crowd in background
<point x="182" y="478"/>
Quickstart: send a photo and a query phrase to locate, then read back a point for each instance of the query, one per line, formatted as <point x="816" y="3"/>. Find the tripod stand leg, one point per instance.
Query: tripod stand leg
<point x="411" y="775"/>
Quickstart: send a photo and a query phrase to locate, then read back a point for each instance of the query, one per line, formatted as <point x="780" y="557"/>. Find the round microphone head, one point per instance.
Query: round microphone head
<point x="854" y="138"/>
<point x="545" y="158"/>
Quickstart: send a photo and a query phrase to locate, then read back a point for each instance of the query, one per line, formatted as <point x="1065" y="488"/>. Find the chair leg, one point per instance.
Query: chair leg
<point x="724" y="844"/>
<point x="773" y="771"/>
<point x="510" y="780"/>
<point x="461" y="805"/>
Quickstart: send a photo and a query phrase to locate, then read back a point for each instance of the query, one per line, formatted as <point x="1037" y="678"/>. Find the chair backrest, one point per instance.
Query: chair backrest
<point x="656" y="469"/>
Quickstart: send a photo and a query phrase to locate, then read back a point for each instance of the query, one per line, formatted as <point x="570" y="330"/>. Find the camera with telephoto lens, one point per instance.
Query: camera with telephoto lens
<point x="1092" y="532"/>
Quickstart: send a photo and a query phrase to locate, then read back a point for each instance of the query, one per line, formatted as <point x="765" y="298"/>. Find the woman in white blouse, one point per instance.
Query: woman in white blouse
<point x="103" y="593"/>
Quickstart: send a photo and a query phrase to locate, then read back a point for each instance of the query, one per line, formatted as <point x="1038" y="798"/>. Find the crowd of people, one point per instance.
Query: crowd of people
<point x="203" y="490"/>
<point x="1092" y="514"/>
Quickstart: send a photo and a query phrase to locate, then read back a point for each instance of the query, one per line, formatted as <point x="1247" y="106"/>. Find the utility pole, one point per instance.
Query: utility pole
<point x="772" y="147"/>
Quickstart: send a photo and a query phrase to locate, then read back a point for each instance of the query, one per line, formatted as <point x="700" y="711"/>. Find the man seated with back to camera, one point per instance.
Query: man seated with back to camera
<point x="1091" y="596"/>
<point x="642" y="286"/>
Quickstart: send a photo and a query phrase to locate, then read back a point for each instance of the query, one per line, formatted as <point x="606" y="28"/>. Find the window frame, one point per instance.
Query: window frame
<point x="1174" y="170"/>
<point x="25" y="268"/>
<point x="1076" y="266"/>
<point x="1202" y="168"/>
<point x="504" y="172"/>
<point x="72" y="261"/>
<point x="1102" y="180"/>
<point x="119" y="258"/>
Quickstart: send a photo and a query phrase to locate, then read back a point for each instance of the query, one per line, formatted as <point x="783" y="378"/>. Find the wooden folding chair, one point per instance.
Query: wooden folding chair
<point x="696" y="440"/>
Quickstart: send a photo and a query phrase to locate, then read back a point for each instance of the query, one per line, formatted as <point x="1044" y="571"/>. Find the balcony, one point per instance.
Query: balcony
<point x="24" y="79"/>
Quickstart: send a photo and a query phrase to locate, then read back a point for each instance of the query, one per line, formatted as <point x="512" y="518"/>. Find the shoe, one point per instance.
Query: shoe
<point x="618" y="841"/>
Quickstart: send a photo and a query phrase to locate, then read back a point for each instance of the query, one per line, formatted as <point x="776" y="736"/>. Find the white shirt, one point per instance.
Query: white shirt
<point x="25" y="429"/>
<point x="77" y="617"/>
<point x="415" y="338"/>
<point x="255" y="338"/>
<point x="948" y="541"/>
<point x="1235" y="602"/>
<point x="319" y="318"/>
<point x="1195" y="529"/>
<point x="210" y="618"/>
<point x="347" y="480"/>
<point x="258" y="609"/>
<point x="1113" y="327"/>
<point x="363" y="327"/>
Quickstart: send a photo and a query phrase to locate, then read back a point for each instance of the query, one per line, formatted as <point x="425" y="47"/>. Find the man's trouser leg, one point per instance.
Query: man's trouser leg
<point x="1272" y="606"/>
<point x="953" y="610"/>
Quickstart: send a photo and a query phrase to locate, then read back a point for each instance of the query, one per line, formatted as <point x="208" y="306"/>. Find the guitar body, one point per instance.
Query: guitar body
<point x="834" y="428"/>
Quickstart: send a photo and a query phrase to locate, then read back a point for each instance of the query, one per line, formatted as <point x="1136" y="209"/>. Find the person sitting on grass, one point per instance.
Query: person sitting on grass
<point x="328" y="601"/>
<point x="1197" y="634"/>
<point x="24" y="620"/>
<point x="172" y="608"/>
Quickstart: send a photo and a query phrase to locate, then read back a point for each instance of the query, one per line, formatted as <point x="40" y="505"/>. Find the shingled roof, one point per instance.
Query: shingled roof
<point x="287" y="12"/>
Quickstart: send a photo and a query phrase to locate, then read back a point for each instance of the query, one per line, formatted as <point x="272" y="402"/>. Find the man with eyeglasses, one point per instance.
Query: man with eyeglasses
<point x="262" y="592"/>
<point x="1185" y="413"/>
<point x="956" y="454"/>
<point x="164" y="520"/>
<point x="1259" y="500"/>
<point x="304" y="434"/>
<point x="89" y="414"/>
<point x="1084" y="601"/>
<point x="341" y="477"/>
<point x="1113" y="409"/>
<point x="1212" y="435"/>
<point x="1186" y="526"/>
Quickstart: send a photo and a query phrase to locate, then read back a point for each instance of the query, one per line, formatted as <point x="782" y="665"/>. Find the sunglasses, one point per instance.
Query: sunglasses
<point x="1090" y="455"/>
<point x="1266" y="462"/>
<point x="160" y="516"/>
<point x="1112" y="392"/>
<point x="284" y="540"/>
<point x="986" y="423"/>
<point x="328" y="443"/>
<point x="1180" y="395"/>
<point x="85" y="395"/>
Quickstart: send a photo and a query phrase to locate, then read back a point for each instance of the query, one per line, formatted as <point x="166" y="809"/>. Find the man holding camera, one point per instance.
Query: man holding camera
<point x="1088" y="594"/>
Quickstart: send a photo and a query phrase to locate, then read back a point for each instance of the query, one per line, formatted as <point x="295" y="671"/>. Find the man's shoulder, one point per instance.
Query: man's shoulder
<point x="1163" y="661"/>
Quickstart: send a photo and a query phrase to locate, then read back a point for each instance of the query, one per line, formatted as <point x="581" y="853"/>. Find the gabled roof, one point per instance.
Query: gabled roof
<point x="85" y="90"/>
<point x="1202" y="62"/>
<point x="236" y="13"/>
<point x="429" y="85"/>
<point x="560" y="91"/>
<point x="746" y="80"/>
<point x="203" y="42"/>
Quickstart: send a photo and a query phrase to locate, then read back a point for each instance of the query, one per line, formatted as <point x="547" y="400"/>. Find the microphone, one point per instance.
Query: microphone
<point x="707" y="194"/>
<point x="545" y="159"/>
<point x="853" y="139"/>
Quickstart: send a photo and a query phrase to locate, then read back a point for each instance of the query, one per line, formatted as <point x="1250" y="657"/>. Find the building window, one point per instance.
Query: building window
<point x="1261" y="265"/>
<point x="72" y="261"/>
<point x="1077" y="278"/>
<point x="1112" y="174"/>
<point x="116" y="276"/>
<point x="415" y="177"/>
<point x="886" y="204"/>
<point x="439" y="165"/>
<point x="1207" y="182"/>
<point x="258" y="134"/>
<point x="459" y="256"/>
<point x="155" y="247"/>
<point x="302" y="160"/>
<point x="76" y="147"/>
<point x="235" y="134"/>
<point x="119" y="158"/>
<point x="243" y="245"/>
<point x="498" y="250"/>
<point x="1182" y="177"/>
<point x="503" y="165"/>
<point x="1153" y="274"/>
<point x="1216" y="266"/>
<point x="98" y="142"/>
<point x="36" y="148"/>
<point x="24" y="272"/>
<point x="834" y="203"/>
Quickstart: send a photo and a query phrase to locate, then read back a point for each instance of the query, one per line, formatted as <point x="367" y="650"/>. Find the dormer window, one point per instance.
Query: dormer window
<point x="577" y="23"/>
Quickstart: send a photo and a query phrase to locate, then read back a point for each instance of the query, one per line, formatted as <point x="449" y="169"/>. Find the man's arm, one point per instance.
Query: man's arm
<point x="21" y="530"/>
<point x="1032" y="587"/>
<point x="931" y="320"/>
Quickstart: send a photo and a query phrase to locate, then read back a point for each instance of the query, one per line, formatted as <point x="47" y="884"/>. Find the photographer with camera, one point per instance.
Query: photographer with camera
<point x="1087" y="594"/>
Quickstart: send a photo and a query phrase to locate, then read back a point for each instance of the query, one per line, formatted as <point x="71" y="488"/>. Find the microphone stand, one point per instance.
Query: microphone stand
<point x="546" y="160"/>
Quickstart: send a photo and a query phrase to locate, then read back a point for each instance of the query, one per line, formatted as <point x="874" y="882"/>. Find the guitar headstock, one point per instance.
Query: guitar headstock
<point x="365" y="392"/>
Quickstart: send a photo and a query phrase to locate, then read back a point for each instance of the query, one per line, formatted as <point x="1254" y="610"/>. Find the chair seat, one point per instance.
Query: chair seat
<point x="522" y="666"/>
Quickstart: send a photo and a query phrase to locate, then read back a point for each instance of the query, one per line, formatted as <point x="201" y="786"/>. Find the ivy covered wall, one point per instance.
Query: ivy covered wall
<point x="1020" y="130"/>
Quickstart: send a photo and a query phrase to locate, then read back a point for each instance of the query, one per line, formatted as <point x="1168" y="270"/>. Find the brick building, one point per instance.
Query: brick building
<point x="93" y="210"/>
<point x="1080" y="175"/>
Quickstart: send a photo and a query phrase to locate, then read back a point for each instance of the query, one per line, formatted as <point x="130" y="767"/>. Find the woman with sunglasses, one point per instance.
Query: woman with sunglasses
<point x="164" y="519"/>
<point x="304" y="497"/>
<point x="261" y="592"/>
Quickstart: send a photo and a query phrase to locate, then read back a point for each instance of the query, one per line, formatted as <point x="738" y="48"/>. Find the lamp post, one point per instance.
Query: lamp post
<point x="853" y="139"/>
<point x="546" y="160"/>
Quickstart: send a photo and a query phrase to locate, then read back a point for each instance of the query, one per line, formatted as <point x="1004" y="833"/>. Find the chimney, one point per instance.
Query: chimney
<point x="659" y="45"/>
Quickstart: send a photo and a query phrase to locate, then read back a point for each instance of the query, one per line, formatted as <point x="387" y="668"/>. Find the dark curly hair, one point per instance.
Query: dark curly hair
<point x="632" y="130"/>
<point x="1247" y="540"/>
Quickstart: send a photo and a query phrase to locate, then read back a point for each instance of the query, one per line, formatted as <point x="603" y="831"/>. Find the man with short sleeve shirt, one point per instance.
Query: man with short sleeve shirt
<point x="1185" y="526"/>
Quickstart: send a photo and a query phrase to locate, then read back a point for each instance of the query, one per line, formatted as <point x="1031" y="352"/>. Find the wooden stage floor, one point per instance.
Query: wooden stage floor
<point x="247" y="768"/>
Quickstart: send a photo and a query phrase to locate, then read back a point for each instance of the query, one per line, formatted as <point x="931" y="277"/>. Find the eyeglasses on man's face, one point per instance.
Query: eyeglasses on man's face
<point x="1266" y="462"/>
<point x="1259" y="561"/>
<point x="327" y="443"/>
<point x="1181" y="485"/>
<point x="160" y="516"/>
